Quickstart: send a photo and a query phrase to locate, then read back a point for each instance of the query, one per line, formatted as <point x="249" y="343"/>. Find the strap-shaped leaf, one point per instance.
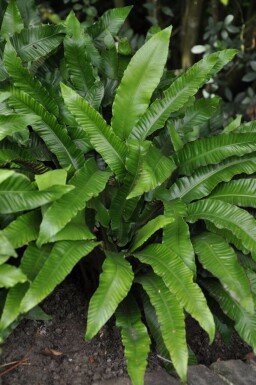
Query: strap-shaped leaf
<point x="220" y="259"/>
<point x="212" y="150"/>
<point x="134" y="338"/>
<point x="33" y="260"/>
<point x="245" y="323"/>
<point x="29" y="12"/>
<point x="63" y="257"/>
<point x="139" y="82"/>
<point x="177" y="95"/>
<point x="171" y="319"/>
<point x="24" y="229"/>
<point x="155" y="330"/>
<point x="196" y="115"/>
<point x="247" y="127"/>
<point x="10" y="276"/>
<point x="5" y="174"/>
<point x="11" y="308"/>
<point x="38" y="41"/>
<point x="115" y="283"/>
<point x="22" y="79"/>
<point x="120" y="206"/>
<point x="227" y="216"/>
<point x="176" y="235"/>
<point x="17" y="194"/>
<point x="7" y="249"/>
<point x="10" y="124"/>
<point x="88" y="182"/>
<point x="111" y="21"/>
<point x="99" y="133"/>
<point x="149" y="229"/>
<point x="12" y="21"/>
<point x="239" y="192"/>
<point x="52" y="133"/>
<point x="171" y="268"/>
<point x="78" y="62"/>
<point x="155" y="169"/>
<point x="205" y="179"/>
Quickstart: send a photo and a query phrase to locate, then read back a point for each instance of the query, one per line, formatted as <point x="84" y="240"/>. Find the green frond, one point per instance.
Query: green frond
<point x="212" y="150"/>
<point x="115" y="282"/>
<point x="23" y="229"/>
<point x="226" y="216"/>
<point x="134" y="338"/>
<point x="205" y="179"/>
<point x="10" y="276"/>
<point x="176" y="235"/>
<point x="144" y="233"/>
<point x="110" y="22"/>
<point x="37" y="41"/>
<point x="220" y="259"/>
<point x="12" y="21"/>
<point x="7" y="249"/>
<point x="17" y="193"/>
<point x="101" y="136"/>
<point x="155" y="169"/>
<point x="88" y="182"/>
<point x="139" y="81"/>
<point x="240" y="192"/>
<point x="171" y="319"/>
<point x="22" y="79"/>
<point x="10" y="124"/>
<point x="63" y="257"/>
<point x="171" y="268"/>
<point x="53" y="134"/>
<point x="196" y="116"/>
<point x="177" y="95"/>
<point x="245" y="323"/>
<point x="11" y="308"/>
<point x="78" y="62"/>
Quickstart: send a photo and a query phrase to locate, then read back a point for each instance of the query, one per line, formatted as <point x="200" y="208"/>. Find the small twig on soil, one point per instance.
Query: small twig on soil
<point x="164" y="359"/>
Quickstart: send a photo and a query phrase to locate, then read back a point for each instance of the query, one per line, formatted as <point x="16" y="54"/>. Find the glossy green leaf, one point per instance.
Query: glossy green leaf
<point x="212" y="150"/>
<point x="17" y="194"/>
<point x="149" y="229"/>
<point x="78" y="62"/>
<point x="115" y="283"/>
<point x="38" y="41"/>
<point x="10" y="124"/>
<point x="23" y="79"/>
<point x="226" y="216"/>
<point x="245" y="323"/>
<point x="177" y="95"/>
<point x="51" y="178"/>
<point x="220" y="259"/>
<point x="33" y="260"/>
<point x="176" y="235"/>
<point x="205" y="179"/>
<point x="12" y="21"/>
<point x="63" y="257"/>
<point x="48" y="128"/>
<point x="12" y="305"/>
<point x="7" y="249"/>
<point x="111" y="21"/>
<point x="23" y="229"/>
<point x="240" y="192"/>
<point x="171" y="268"/>
<point x="99" y="133"/>
<point x="138" y="83"/>
<point x="88" y="182"/>
<point x="10" y="276"/>
<point x="135" y="339"/>
<point x="155" y="169"/>
<point x="171" y="319"/>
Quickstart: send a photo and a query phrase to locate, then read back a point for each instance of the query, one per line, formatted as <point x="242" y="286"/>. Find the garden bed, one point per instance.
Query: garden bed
<point x="54" y="352"/>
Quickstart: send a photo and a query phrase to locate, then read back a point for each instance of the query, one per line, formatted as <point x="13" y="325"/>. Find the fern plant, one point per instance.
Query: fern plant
<point x="103" y="153"/>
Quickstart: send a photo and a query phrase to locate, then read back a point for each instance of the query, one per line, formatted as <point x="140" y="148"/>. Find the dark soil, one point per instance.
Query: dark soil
<point x="55" y="353"/>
